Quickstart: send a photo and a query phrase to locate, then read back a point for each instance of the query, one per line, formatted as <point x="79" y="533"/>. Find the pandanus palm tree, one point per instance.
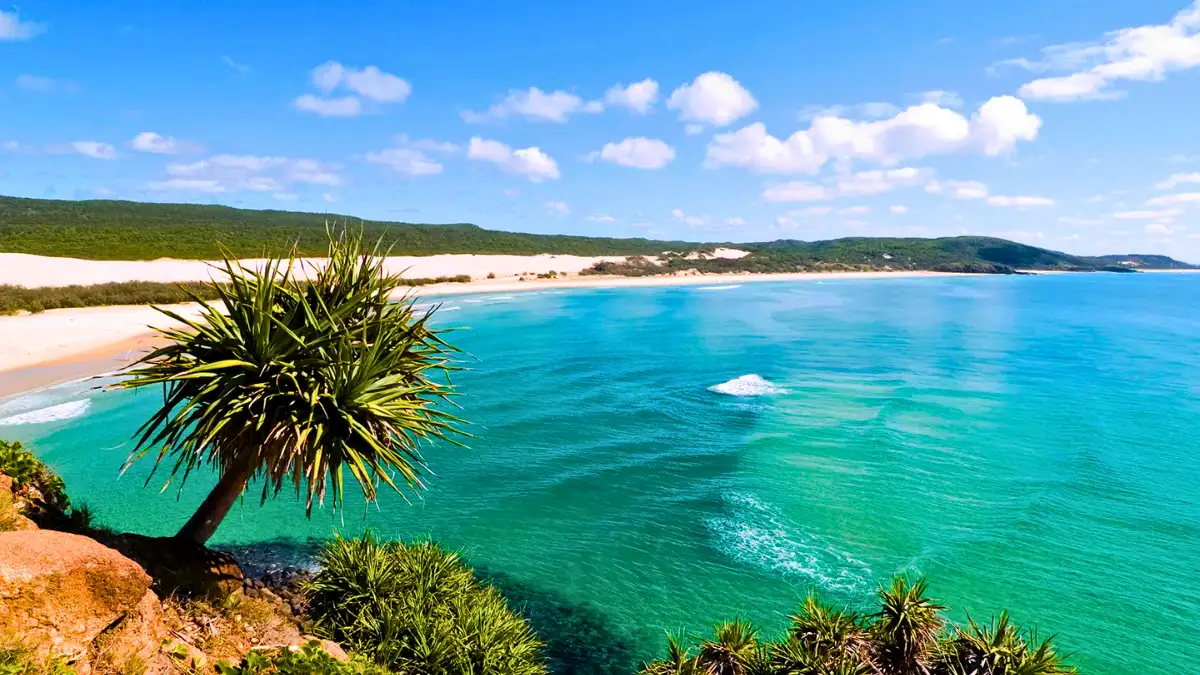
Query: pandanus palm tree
<point x="297" y="381"/>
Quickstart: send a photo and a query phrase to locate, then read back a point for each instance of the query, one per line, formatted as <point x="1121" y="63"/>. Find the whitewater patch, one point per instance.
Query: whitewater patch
<point x="54" y="413"/>
<point x="756" y="534"/>
<point x="748" y="385"/>
<point x="722" y="287"/>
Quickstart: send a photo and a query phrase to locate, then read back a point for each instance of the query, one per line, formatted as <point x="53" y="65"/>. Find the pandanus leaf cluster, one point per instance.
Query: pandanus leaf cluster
<point x="298" y="374"/>
<point x="907" y="636"/>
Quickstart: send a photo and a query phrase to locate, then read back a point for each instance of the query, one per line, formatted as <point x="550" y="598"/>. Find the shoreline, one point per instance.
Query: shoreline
<point x="63" y="345"/>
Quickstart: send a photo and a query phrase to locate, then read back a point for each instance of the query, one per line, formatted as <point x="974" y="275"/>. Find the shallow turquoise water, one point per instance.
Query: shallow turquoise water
<point x="1028" y="443"/>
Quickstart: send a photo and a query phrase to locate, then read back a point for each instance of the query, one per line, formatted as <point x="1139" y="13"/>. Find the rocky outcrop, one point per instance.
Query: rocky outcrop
<point x="79" y="600"/>
<point x="11" y="517"/>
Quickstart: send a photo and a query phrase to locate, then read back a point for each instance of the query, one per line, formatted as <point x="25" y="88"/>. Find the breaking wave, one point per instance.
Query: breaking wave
<point x="756" y="534"/>
<point x="748" y="385"/>
<point x="722" y="287"/>
<point x="54" y="413"/>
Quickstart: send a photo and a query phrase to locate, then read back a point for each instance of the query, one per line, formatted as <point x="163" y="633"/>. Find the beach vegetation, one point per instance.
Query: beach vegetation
<point x="306" y="659"/>
<point x="16" y="299"/>
<point x="906" y="636"/>
<point x="297" y="383"/>
<point x="16" y="658"/>
<point x="417" y="608"/>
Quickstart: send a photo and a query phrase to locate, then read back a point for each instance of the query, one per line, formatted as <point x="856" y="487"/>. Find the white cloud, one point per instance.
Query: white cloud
<point x="1176" y="199"/>
<point x="694" y="221"/>
<point x="1162" y="228"/>
<point x="94" y="149"/>
<point x="735" y="222"/>
<point x="945" y="99"/>
<point x="921" y="130"/>
<point x="249" y="173"/>
<point x="12" y="28"/>
<point x="370" y="82"/>
<point x="898" y="209"/>
<point x="959" y="189"/>
<point x="860" y="184"/>
<point x="344" y="106"/>
<point x="872" y="111"/>
<point x="1147" y="214"/>
<point x="1019" y="201"/>
<point x="36" y="83"/>
<point x="797" y="191"/>
<point x="639" y="153"/>
<point x="411" y="158"/>
<point x="1084" y="222"/>
<point x="148" y="141"/>
<point x="529" y="162"/>
<point x="407" y="161"/>
<point x="558" y="208"/>
<point x="638" y="96"/>
<point x="1142" y="53"/>
<point x="285" y="196"/>
<point x="1178" y="179"/>
<point x="854" y="211"/>
<point x="602" y="218"/>
<point x="239" y="68"/>
<point x="712" y="98"/>
<point x="536" y="105"/>
<point x="810" y="212"/>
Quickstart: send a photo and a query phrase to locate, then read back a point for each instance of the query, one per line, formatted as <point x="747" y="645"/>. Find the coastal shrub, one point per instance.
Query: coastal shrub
<point x="415" y="608"/>
<point x="308" y="659"/>
<point x="41" y="495"/>
<point x="906" y="636"/>
<point x="301" y="376"/>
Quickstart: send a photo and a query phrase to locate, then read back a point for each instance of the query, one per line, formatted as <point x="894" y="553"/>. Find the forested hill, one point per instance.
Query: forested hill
<point x="119" y="230"/>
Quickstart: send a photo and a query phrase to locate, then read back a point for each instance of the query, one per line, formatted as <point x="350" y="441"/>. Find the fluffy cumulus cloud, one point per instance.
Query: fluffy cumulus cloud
<point x="413" y="158"/>
<point x="898" y="209"/>
<point x="94" y="149"/>
<point x="1175" y="199"/>
<point x="558" y="209"/>
<point x="1142" y="53"/>
<point x="639" y="153"/>
<point x="149" y="141"/>
<point x="921" y="130"/>
<point x="714" y="99"/>
<point x="1019" y="201"/>
<point x="859" y="184"/>
<point x="1178" y="179"/>
<point x="638" y="96"/>
<point x="246" y="173"/>
<point x="958" y="189"/>
<point x="1166" y="215"/>
<point x="946" y="99"/>
<point x="532" y="163"/>
<point x="535" y="105"/>
<point x="357" y="86"/>
<point x="12" y="28"/>
<point x="687" y="219"/>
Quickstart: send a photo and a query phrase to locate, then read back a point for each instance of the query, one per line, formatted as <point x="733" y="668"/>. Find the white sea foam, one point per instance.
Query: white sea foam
<point x="756" y="534"/>
<point x="54" y="413"/>
<point x="473" y="300"/>
<point x="748" y="385"/>
<point x="722" y="287"/>
<point x="449" y="309"/>
<point x="501" y="297"/>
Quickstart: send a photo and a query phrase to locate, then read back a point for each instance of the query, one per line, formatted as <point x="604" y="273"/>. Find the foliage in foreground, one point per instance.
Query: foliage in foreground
<point x="14" y="299"/>
<point x="297" y="380"/>
<point x="416" y="608"/>
<point x="17" y="659"/>
<point x="308" y="659"/>
<point x="907" y="636"/>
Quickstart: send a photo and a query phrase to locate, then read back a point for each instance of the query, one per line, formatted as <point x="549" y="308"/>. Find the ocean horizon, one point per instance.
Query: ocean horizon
<point x="662" y="458"/>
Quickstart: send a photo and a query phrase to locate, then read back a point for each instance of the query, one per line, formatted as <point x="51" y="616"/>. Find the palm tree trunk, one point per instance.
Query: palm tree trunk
<point x="204" y="522"/>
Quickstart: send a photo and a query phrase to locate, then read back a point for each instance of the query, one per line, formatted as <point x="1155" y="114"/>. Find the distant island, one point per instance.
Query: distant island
<point x="123" y="230"/>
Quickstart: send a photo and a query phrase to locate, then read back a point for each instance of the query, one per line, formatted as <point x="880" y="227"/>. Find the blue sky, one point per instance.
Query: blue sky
<point x="1036" y="121"/>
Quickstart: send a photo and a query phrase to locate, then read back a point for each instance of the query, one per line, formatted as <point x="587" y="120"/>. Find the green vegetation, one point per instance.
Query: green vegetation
<point x="14" y="299"/>
<point x="117" y="230"/>
<point x="297" y="383"/>
<point x="40" y="493"/>
<point x="906" y="636"/>
<point x="17" y="659"/>
<point x="418" y="609"/>
<point x="308" y="659"/>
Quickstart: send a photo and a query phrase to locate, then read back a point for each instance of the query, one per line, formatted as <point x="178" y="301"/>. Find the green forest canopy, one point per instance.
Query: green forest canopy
<point x="121" y="230"/>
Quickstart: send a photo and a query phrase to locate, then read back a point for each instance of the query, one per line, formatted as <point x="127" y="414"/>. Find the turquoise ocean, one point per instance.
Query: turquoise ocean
<point x="652" y="459"/>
